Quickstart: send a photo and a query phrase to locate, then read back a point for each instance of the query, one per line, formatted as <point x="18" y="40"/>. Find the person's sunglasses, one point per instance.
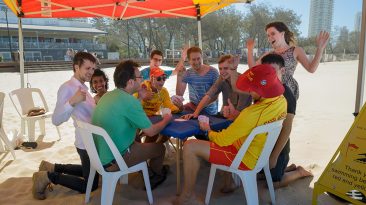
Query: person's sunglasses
<point x="161" y="78"/>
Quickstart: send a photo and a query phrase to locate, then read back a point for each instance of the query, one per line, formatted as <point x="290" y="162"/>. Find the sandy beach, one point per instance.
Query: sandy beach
<point x="324" y="115"/>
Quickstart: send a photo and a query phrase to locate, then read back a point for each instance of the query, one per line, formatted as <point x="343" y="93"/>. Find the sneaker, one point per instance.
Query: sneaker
<point x="46" y="166"/>
<point x="40" y="183"/>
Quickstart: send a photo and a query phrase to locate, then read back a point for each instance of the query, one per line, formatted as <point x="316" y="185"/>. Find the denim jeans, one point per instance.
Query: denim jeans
<point x="74" y="176"/>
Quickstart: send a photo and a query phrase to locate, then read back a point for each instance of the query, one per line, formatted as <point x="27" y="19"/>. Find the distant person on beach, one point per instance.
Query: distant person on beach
<point x="73" y="101"/>
<point x="99" y="84"/>
<point x="269" y="106"/>
<point x="199" y="78"/>
<point x="156" y="59"/>
<point x="283" y="43"/>
<point x="121" y="115"/>
<point x="238" y="101"/>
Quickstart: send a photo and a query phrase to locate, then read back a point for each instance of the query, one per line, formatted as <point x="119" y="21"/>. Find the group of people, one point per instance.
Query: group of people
<point x="264" y="93"/>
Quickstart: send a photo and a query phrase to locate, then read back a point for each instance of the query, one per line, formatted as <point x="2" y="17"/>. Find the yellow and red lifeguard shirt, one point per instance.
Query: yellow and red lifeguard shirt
<point x="264" y="111"/>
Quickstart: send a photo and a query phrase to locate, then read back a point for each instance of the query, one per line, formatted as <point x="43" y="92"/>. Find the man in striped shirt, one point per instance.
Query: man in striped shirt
<point x="199" y="78"/>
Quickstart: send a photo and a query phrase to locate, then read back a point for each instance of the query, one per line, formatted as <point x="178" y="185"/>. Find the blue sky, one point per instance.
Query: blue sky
<point x="344" y="11"/>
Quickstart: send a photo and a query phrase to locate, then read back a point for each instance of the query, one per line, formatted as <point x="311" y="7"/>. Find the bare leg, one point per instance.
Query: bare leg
<point x="192" y="150"/>
<point x="291" y="176"/>
<point x="229" y="185"/>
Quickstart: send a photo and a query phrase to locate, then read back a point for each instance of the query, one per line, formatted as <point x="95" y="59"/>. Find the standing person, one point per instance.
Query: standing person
<point x="121" y="115"/>
<point x="222" y="85"/>
<point x="269" y="106"/>
<point x="283" y="43"/>
<point x="200" y="78"/>
<point x="99" y="84"/>
<point x="156" y="59"/>
<point x="73" y="101"/>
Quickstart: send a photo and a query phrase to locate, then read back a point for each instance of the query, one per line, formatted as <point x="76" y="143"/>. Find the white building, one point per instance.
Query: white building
<point x="321" y="16"/>
<point x="358" y="21"/>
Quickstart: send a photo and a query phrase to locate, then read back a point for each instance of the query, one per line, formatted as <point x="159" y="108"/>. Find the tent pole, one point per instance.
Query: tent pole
<point x="199" y="34"/>
<point x="198" y="9"/>
<point x="361" y="63"/>
<point x="21" y="53"/>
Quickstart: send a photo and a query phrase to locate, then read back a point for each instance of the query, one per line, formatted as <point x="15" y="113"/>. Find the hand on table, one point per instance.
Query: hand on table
<point x="189" y="116"/>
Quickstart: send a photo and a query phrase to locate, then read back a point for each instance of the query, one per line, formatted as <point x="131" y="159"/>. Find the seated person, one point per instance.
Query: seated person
<point x="160" y="98"/>
<point x="280" y="156"/>
<point x="269" y="105"/>
<point x="200" y="78"/>
<point x="223" y="85"/>
<point x="121" y="115"/>
<point x="99" y="84"/>
<point x="156" y="59"/>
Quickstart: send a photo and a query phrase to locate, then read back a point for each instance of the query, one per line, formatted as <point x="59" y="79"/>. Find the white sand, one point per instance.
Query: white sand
<point x="324" y="115"/>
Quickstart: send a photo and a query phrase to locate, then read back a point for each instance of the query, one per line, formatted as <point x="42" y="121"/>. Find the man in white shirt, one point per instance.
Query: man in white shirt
<point x="73" y="100"/>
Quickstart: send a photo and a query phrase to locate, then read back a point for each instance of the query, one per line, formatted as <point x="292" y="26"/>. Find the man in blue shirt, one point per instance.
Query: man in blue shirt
<point x="200" y="78"/>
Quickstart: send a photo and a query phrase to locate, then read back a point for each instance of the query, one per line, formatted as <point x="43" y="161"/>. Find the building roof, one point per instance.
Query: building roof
<point x="54" y="28"/>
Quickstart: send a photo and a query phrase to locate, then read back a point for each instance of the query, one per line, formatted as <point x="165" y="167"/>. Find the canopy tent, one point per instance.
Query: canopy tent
<point x="115" y="9"/>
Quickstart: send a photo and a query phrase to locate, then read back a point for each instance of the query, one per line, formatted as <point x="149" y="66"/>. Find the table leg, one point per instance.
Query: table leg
<point x="179" y="149"/>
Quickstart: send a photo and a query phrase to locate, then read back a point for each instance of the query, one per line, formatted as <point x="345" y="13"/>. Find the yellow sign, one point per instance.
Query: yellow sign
<point x="345" y="174"/>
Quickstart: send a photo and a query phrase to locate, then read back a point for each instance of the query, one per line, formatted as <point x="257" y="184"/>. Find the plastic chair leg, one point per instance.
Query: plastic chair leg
<point x="267" y="173"/>
<point x="58" y="132"/>
<point x="31" y="130"/>
<point x="89" y="184"/>
<point x="4" y="137"/>
<point x="42" y="126"/>
<point x="22" y="127"/>
<point x="124" y="179"/>
<point x="210" y="184"/>
<point x="249" y="182"/>
<point x="108" y="188"/>
<point x="145" y="173"/>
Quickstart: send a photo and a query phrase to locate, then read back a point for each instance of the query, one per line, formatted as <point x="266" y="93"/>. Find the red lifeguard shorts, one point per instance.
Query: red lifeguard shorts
<point x="224" y="155"/>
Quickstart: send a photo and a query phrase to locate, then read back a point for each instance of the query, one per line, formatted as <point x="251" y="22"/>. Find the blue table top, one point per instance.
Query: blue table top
<point x="178" y="128"/>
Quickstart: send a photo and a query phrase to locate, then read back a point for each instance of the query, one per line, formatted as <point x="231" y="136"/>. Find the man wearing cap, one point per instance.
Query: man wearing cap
<point x="281" y="174"/>
<point x="160" y="97"/>
<point x="269" y="105"/>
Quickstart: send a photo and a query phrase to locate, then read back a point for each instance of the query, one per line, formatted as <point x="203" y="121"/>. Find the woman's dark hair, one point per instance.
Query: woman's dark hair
<point x="124" y="72"/>
<point x="98" y="72"/>
<point x="273" y="58"/>
<point x="281" y="27"/>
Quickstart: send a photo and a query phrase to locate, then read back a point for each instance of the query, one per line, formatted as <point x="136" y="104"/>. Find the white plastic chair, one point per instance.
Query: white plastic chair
<point x="25" y="100"/>
<point x="3" y="136"/>
<point x="249" y="177"/>
<point x="110" y="179"/>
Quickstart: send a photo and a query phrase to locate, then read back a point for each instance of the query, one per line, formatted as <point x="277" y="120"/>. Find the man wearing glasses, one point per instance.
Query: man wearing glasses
<point x="156" y="59"/>
<point x="121" y="115"/>
<point x="160" y="98"/>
